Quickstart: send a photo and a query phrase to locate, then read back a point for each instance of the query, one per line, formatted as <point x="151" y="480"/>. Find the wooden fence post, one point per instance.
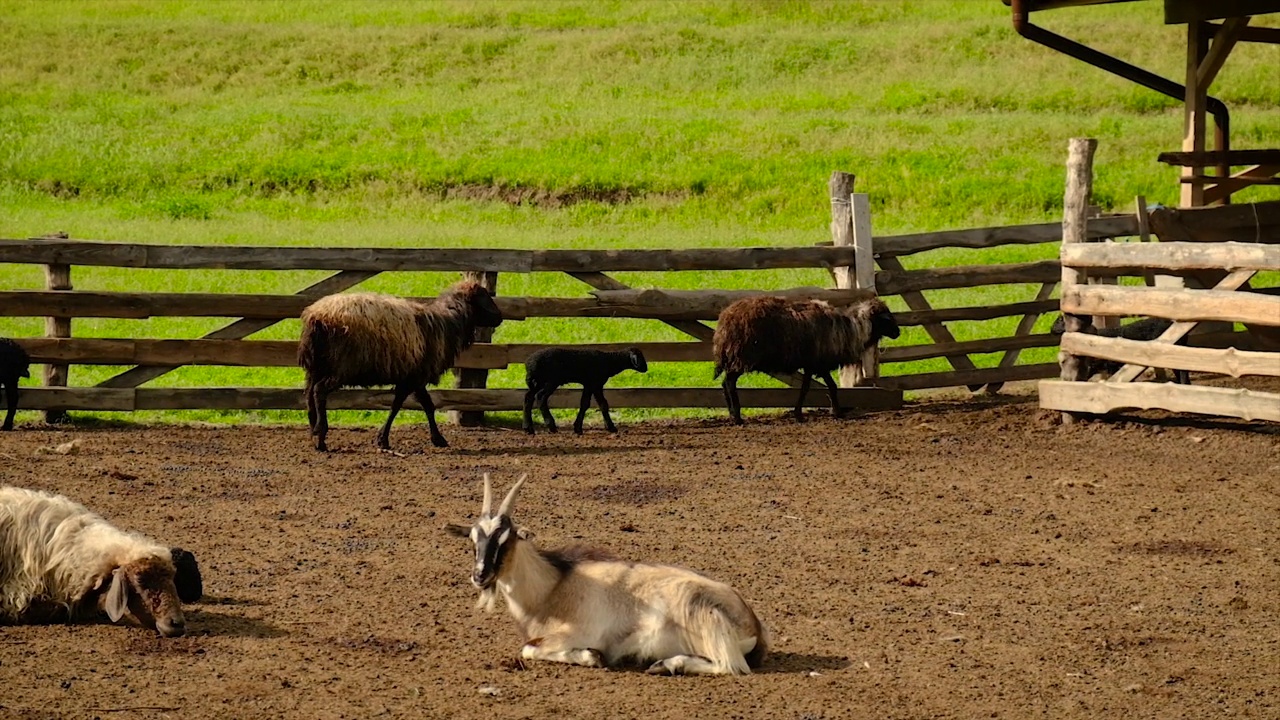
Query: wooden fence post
<point x="56" y="277"/>
<point x="472" y="378"/>
<point x="1075" y="229"/>
<point x="864" y="278"/>
<point x="844" y="234"/>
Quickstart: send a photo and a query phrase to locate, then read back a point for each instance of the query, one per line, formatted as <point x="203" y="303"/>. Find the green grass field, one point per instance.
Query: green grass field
<point x="555" y="123"/>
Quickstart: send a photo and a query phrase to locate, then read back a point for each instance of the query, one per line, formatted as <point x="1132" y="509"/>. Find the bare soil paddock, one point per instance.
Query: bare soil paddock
<point x="947" y="560"/>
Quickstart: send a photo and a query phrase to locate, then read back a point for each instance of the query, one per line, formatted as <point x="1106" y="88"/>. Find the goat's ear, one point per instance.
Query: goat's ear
<point x="117" y="600"/>
<point x="457" y="529"/>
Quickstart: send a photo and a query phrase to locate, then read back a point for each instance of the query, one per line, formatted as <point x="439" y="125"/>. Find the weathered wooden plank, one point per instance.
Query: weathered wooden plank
<point x="56" y="278"/>
<point x="702" y="302"/>
<point x="911" y="353"/>
<point x="231" y="257"/>
<point x="476" y="399"/>
<point x="975" y="313"/>
<point x="1250" y="222"/>
<point x="972" y="378"/>
<point x="1107" y="397"/>
<point x="1176" y="304"/>
<point x="977" y="238"/>
<point x="1209" y="158"/>
<point x="754" y="258"/>
<point x="896" y="282"/>
<point x="1233" y="362"/>
<point x="283" y="353"/>
<point x="1172" y="256"/>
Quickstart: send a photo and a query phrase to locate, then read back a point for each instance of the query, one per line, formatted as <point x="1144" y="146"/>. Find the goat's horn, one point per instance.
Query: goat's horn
<point x="511" y="495"/>
<point x="488" y="497"/>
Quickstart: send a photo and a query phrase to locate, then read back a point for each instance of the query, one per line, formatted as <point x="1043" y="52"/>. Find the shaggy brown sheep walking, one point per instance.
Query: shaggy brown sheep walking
<point x="369" y="339"/>
<point x="776" y="335"/>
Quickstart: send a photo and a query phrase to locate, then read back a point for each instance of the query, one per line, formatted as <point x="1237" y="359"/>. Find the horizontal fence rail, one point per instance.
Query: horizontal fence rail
<point x="241" y="257"/>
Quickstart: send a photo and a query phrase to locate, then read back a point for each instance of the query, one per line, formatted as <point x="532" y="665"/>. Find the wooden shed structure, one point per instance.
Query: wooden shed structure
<point x="1208" y="258"/>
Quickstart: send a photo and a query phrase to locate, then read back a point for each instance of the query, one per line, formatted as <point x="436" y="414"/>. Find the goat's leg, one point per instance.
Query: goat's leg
<point x="544" y="649"/>
<point x="604" y="409"/>
<point x="544" y="397"/>
<point x="832" y="393"/>
<point x="11" y="401"/>
<point x="401" y="393"/>
<point x="686" y="665"/>
<point x="528" y="410"/>
<point x="730" y="387"/>
<point x="804" y="390"/>
<point x="582" y="410"/>
<point x="320" y="394"/>
<point x="424" y="399"/>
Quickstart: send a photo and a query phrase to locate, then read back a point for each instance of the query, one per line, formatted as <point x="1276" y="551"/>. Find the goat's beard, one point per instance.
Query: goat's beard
<point x="488" y="599"/>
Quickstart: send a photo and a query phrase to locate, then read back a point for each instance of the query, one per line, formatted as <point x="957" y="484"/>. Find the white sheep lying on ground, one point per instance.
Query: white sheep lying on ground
<point x="59" y="562"/>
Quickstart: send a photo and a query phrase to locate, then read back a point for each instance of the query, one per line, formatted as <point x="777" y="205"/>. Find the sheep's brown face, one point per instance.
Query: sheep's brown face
<point x="144" y="591"/>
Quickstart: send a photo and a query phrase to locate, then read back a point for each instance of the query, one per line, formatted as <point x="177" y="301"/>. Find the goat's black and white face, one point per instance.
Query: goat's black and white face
<point x="494" y="534"/>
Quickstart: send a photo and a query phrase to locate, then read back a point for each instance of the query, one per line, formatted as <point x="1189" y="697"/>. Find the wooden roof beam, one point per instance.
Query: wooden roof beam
<point x="1224" y="40"/>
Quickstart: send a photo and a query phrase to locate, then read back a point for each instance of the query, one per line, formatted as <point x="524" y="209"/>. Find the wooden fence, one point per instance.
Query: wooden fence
<point x="851" y="257"/>
<point x="1200" y="248"/>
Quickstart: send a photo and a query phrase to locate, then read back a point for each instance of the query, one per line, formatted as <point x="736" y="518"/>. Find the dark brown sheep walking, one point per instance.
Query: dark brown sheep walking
<point x="773" y="334"/>
<point x="14" y="364"/>
<point x="368" y="339"/>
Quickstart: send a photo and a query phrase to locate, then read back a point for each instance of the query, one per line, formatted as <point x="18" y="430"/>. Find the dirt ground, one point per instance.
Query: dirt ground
<point x="948" y="560"/>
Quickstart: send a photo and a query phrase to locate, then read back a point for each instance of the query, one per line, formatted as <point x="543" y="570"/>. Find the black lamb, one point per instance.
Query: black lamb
<point x="14" y="363"/>
<point x="1144" y="329"/>
<point x="548" y="369"/>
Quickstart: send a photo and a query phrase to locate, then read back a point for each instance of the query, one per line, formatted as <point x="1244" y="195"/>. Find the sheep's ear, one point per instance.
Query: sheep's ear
<point x="457" y="529"/>
<point x="117" y="602"/>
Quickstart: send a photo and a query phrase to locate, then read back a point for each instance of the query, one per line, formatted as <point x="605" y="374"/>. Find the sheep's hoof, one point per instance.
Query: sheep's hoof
<point x="321" y="447"/>
<point x="528" y="431"/>
<point x="613" y="429"/>
<point x="799" y="418"/>
<point x="439" y="441"/>
<point x="577" y="430"/>
<point x="552" y="428"/>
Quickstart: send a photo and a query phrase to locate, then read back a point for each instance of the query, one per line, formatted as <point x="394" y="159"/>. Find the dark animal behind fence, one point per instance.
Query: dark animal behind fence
<point x="1144" y="329"/>
<point x="14" y="364"/>
<point x="548" y="369"/>
<point x="368" y="339"/>
<point x="776" y="335"/>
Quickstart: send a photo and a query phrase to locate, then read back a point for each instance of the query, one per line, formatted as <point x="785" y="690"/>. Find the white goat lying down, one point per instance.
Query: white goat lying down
<point x="581" y="607"/>
<point x="59" y="562"/>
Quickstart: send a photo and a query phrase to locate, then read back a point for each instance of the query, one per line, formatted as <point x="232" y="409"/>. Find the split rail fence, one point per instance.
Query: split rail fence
<point x="1213" y="255"/>
<point x="851" y="257"/>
